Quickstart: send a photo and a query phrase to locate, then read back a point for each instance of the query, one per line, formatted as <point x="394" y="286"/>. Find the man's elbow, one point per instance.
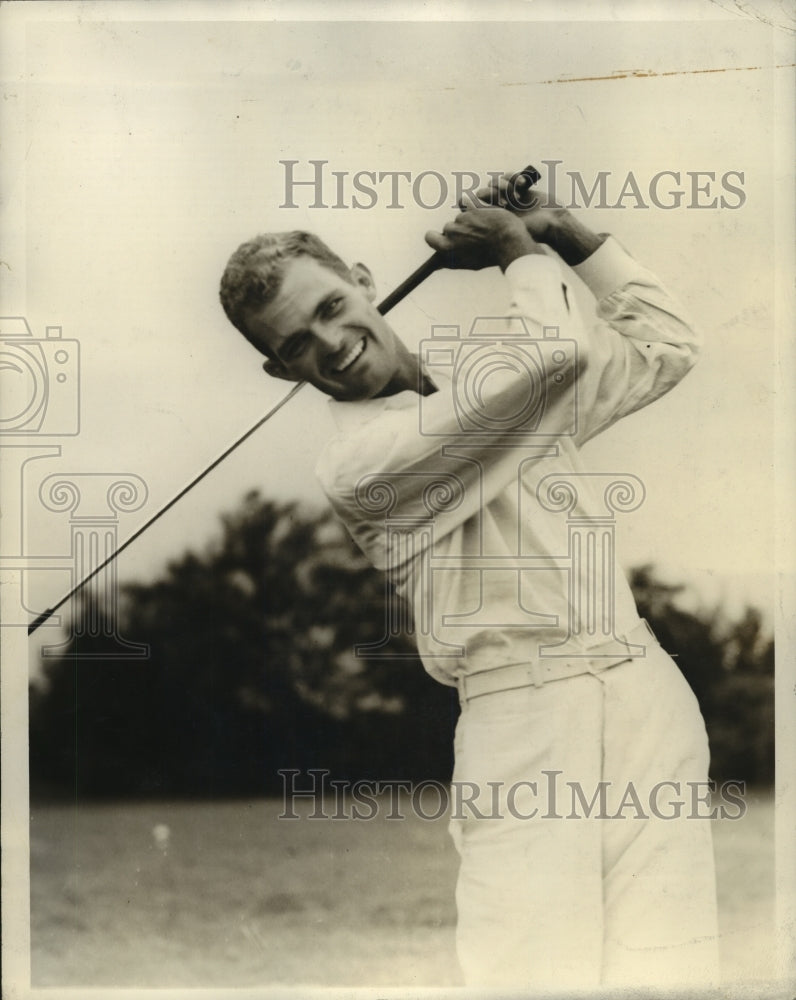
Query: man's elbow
<point x="673" y="362"/>
<point x="688" y="351"/>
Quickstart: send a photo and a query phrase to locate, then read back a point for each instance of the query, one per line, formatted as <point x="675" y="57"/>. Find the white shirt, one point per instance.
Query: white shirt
<point x="497" y="560"/>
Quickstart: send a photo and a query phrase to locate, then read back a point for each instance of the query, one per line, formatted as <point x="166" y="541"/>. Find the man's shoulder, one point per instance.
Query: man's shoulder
<point x="366" y="432"/>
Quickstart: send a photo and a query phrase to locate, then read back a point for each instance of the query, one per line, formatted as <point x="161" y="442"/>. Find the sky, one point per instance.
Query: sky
<point x="148" y="150"/>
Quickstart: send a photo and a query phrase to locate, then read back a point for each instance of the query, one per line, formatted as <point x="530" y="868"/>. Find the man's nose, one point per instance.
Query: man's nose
<point x="329" y="336"/>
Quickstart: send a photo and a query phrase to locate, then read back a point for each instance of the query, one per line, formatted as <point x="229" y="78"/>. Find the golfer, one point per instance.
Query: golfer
<point x="579" y="744"/>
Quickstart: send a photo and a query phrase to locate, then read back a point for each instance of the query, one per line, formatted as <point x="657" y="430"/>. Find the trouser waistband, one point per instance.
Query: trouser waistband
<point x="536" y="673"/>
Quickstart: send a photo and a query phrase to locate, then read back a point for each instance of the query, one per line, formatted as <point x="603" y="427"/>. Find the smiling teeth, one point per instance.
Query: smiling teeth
<point x="351" y="357"/>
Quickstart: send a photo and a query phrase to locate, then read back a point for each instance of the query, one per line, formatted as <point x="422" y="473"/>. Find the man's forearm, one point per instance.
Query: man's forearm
<point x="573" y="241"/>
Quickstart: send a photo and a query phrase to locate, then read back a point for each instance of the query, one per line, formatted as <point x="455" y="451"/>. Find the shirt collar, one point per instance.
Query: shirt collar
<point x="349" y="416"/>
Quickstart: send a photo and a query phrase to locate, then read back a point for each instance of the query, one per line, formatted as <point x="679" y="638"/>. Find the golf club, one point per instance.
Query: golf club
<point x="528" y="176"/>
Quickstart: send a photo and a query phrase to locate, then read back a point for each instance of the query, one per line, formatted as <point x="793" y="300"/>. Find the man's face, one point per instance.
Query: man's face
<point x="322" y="329"/>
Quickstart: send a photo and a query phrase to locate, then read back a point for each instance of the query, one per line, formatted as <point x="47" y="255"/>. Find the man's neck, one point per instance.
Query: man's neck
<point x="409" y="376"/>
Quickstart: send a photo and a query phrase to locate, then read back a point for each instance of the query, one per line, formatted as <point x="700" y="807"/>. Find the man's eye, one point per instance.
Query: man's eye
<point x="295" y="347"/>
<point x="333" y="306"/>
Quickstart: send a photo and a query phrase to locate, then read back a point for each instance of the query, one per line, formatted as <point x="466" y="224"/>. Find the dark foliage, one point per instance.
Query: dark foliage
<point x="252" y="670"/>
<point x="730" y="667"/>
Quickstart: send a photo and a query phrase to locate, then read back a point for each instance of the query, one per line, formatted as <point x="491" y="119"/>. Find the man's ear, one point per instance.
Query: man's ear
<point x="277" y="370"/>
<point x="362" y="277"/>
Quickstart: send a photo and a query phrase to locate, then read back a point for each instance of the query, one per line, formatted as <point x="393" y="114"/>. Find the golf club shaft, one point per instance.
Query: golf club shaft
<point x="529" y="176"/>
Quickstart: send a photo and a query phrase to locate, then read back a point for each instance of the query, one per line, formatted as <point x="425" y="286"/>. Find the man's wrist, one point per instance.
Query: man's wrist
<point x="510" y="249"/>
<point x="573" y="241"/>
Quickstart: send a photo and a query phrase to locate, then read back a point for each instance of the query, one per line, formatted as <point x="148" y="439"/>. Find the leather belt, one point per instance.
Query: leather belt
<point x="536" y="673"/>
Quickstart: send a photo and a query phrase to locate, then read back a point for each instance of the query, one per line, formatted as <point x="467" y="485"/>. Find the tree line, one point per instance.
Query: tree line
<point x="252" y="670"/>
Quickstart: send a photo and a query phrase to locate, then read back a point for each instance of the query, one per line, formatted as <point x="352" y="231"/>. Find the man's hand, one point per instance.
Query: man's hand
<point x="513" y="192"/>
<point x="483" y="237"/>
<point x="544" y="219"/>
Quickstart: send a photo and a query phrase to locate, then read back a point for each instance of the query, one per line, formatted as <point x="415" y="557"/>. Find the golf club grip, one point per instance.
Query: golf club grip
<point x="434" y="263"/>
<point x="437" y="261"/>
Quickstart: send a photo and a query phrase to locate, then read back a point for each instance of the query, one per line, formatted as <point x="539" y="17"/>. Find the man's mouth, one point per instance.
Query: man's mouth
<point x="350" y="357"/>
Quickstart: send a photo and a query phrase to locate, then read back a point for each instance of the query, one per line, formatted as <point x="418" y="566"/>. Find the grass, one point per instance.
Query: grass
<point x="240" y="898"/>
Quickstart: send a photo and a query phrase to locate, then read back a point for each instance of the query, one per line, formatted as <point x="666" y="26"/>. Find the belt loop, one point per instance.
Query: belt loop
<point x="461" y="681"/>
<point x="535" y="671"/>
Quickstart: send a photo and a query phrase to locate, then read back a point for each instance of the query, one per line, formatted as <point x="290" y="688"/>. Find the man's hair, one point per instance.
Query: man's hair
<point x="254" y="273"/>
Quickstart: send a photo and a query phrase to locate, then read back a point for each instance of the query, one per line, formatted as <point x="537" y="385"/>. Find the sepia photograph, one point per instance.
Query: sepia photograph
<point x="396" y="451"/>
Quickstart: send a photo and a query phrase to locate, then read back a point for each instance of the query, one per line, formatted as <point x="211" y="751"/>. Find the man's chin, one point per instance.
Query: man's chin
<point x="359" y="393"/>
<point x="349" y="394"/>
<point x="360" y="397"/>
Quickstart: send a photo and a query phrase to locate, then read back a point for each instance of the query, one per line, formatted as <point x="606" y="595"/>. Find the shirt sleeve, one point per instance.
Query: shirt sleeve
<point x="642" y="346"/>
<point x="419" y="455"/>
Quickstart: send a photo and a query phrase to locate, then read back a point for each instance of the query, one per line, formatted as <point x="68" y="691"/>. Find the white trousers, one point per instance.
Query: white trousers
<point x="611" y="880"/>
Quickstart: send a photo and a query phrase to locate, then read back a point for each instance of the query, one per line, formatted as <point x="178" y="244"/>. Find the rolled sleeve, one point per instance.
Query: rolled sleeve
<point x="609" y="268"/>
<point x="536" y="283"/>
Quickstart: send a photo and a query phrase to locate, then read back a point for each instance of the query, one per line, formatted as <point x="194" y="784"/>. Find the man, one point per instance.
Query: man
<point x="579" y="740"/>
